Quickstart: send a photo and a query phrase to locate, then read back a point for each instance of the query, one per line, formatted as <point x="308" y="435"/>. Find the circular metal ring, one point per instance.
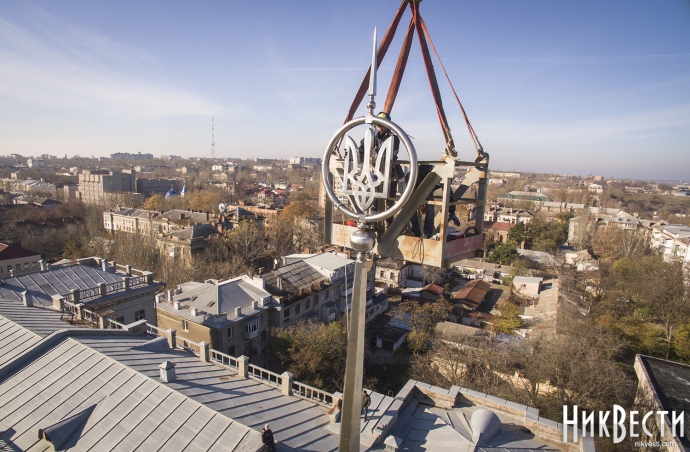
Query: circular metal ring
<point x="409" y="188"/>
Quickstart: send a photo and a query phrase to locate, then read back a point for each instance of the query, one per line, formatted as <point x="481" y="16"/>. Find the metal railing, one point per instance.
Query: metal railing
<point x="265" y="376"/>
<point x="312" y="394"/>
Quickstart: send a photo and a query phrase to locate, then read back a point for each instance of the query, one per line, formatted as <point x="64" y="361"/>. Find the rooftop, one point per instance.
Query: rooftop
<point x="8" y="251"/>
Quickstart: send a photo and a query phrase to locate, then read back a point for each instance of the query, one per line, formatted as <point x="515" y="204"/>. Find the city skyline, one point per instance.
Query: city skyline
<point x="582" y="88"/>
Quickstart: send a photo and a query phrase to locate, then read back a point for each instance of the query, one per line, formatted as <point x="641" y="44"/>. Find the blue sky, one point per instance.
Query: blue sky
<point x="570" y="87"/>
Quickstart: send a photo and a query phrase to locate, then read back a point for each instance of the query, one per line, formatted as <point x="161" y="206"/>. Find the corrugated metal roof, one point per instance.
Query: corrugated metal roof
<point x="129" y="410"/>
<point x="56" y="281"/>
<point x="296" y="423"/>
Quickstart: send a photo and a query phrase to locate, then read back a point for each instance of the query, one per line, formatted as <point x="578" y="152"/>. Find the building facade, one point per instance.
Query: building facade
<point x="231" y="315"/>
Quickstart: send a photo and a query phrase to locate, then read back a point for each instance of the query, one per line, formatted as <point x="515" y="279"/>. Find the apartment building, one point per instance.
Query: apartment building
<point x="314" y="287"/>
<point x="231" y="315"/>
<point x="672" y="241"/>
<point x="100" y="186"/>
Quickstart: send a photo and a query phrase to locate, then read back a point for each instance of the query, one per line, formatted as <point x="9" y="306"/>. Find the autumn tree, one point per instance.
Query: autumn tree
<point x="314" y="353"/>
<point x="422" y="318"/>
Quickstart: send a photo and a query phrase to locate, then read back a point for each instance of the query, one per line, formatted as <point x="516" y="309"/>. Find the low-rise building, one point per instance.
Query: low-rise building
<point x="501" y="214"/>
<point x="527" y="286"/>
<point x="393" y="273"/>
<point x="16" y="261"/>
<point x="231" y="315"/>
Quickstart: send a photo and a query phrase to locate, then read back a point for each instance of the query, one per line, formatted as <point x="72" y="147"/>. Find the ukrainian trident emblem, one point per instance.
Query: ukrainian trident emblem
<point x="370" y="179"/>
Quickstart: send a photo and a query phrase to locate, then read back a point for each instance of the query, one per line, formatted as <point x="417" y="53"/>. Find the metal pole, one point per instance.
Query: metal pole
<point x="363" y="242"/>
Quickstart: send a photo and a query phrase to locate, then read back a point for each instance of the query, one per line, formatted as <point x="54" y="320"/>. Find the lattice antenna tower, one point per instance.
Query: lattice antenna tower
<point x="213" y="140"/>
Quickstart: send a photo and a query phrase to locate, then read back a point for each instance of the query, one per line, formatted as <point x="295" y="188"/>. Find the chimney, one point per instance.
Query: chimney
<point x="194" y="312"/>
<point x="167" y="371"/>
<point x="255" y="305"/>
<point x="27" y="300"/>
<point x="170" y="294"/>
<point x="238" y="312"/>
<point x="43" y="264"/>
<point x="104" y="265"/>
<point x="176" y="305"/>
<point x="279" y="283"/>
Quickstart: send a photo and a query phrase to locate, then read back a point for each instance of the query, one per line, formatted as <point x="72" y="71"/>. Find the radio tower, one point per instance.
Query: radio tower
<point x="213" y="141"/>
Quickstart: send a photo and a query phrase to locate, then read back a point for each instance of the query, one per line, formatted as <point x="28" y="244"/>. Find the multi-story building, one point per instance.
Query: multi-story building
<point x="314" y="287"/>
<point x="16" y="261"/>
<point x="500" y="214"/>
<point x="98" y="187"/>
<point x="108" y="290"/>
<point x="231" y="315"/>
<point x="149" y="187"/>
<point x="672" y="241"/>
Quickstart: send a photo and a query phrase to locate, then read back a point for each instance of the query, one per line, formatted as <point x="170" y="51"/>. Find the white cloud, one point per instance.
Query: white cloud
<point x="67" y="67"/>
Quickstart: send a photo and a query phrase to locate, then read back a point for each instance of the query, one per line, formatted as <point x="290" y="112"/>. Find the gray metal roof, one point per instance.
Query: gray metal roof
<point x="140" y="213"/>
<point x="213" y="299"/>
<point x="42" y="321"/>
<point x="122" y="409"/>
<point x="328" y="261"/>
<point x="198" y="230"/>
<point x="296" y="423"/>
<point x="56" y="281"/>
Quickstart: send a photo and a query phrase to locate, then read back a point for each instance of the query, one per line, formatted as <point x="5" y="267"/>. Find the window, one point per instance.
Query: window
<point x="120" y="320"/>
<point x="306" y="304"/>
<point x="231" y="332"/>
<point x="231" y="350"/>
<point x="297" y="308"/>
<point x="251" y="326"/>
<point x="286" y="313"/>
<point x="139" y="315"/>
<point x="185" y="325"/>
<point x="18" y="267"/>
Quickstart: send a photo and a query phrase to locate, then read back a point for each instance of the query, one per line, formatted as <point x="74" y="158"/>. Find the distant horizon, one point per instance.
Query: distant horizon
<point x="221" y="159"/>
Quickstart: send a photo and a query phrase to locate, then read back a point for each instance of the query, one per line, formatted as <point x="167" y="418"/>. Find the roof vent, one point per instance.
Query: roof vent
<point x="176" y="305"/>
<point x="194" y="312"/>
<point x="64" y="434"/>
<point x="167" y="369"/>
<point x="238" y="311"/>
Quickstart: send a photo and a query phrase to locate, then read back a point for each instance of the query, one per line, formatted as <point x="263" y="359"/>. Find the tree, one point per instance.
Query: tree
<point x="246" y="242"/>
<point x="518" y="234"/>
<point x="422" y="318"/>
<point x="509" y="320"/>
<point x="154" y="202"/>
<point x="611" y="243"/>
<point x="503" y="254"/>
<point x="314" y="353"/>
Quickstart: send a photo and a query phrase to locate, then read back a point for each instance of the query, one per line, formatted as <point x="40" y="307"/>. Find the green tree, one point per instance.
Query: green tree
<point x="314" y="353"/>
<point x="503" y="254"/>
<point x="518" y="234"/>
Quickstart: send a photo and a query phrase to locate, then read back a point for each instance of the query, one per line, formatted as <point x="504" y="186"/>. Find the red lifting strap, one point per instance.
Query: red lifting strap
<point x="416" y="24"/>
<point x="399" y="69"/>
<point x="450" y="146"/>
